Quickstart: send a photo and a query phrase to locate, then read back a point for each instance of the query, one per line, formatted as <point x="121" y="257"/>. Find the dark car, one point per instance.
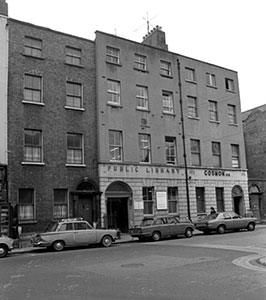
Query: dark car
<point x="220" y="222"/>
<point x="156" y="228"/>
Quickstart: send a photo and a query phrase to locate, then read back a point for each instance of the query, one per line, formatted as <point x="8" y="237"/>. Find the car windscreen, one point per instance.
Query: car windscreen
<point x="146" y="222"/>
<point x="51" y="227"/>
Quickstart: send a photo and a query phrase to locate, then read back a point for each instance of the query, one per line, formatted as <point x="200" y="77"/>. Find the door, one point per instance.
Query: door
<point x="117" y="213"/>
<point x="237" y="205"/>
<point x="84" y="208"/>
<point x="255" y="205"/>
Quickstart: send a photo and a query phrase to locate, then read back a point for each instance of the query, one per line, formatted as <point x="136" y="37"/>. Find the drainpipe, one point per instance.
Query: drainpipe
<point x="183" y="138"/>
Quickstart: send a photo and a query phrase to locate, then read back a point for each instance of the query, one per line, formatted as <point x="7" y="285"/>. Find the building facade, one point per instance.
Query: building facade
<point x="52" y="156"/>
<point x="113" y="130"/>
<point x="254" y="125"/>
<point x="171" y="133"/>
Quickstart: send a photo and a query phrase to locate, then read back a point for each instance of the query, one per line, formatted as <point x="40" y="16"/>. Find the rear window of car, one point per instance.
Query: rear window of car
<point x="146" y="222"/>
<point x="66" y="226"/>
<point x="81" y="226"/>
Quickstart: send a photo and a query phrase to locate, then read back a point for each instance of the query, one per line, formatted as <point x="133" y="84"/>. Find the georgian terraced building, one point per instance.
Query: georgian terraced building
<point x="113" y="130"/>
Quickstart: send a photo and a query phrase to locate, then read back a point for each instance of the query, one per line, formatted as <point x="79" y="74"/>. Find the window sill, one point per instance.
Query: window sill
<point x="33" y="56"/>
<point x="167" y="76"/>
<point x="230" y="91"/>
<point x="216" y="122"/>
<point x="233" y="124"/>
<point x="143" y="109"/>
<point x="169" y="113"/>
<point x="141" y="70"/>
<point x="74" y="108"/>
<point x="75" y="165"/>
<point x="32" y="102"/>
<point x="74" y="65"/>
<point x="194" y="118"/>
<point x="27" y="221"/>
<point x="211" y="86"/>
<point x="32" y="163"/>
<point x="113" y="63"/>
<point x="191" y="81"/>
<point x="115" y="105"/>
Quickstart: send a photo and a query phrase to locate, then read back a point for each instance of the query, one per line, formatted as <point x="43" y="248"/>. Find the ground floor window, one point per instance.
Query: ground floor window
<point x="148" y="200"/>
<point x="60" y="203"/>
<point x="172" y="196"/>
<point x="25" y="204"/>
<point x="200" y="196"/>
<point x="220" y="198"/>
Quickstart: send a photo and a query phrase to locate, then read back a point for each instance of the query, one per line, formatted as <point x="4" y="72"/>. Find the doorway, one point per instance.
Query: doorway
<point x="85" y="208"/>
<point x="237" y="197"/>
<point x="117" y="213"/>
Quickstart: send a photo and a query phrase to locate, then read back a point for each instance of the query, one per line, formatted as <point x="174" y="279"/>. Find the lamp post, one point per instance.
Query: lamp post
<point x="183" y="138"/>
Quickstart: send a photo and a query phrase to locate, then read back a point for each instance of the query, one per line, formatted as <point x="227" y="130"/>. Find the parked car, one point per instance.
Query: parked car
<point x="223" y="221"/>
<point x="73" y="232"/>
<point x="156" y="228"/>
<point x="6" y="245"/>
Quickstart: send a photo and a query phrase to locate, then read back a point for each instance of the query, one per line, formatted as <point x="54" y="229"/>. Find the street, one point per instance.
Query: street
<point x="202" y="267"/>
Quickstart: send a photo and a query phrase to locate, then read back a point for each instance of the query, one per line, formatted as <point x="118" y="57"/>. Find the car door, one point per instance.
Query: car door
<point x="65" y="233"/>
<point x="84" y="234"/>
<point x="161" y="225"/>
<point x="238" y="221"/>
<point x="174" y="227"/>
<point x="229" y="222"/>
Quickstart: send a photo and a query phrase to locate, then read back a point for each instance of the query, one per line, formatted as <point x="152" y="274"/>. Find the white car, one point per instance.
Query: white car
<point x="6" y="245"/>
<point x="72" y="233"/>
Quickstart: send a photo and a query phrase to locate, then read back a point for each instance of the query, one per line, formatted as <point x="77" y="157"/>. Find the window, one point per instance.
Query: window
<point x="74" y="95"/>
<point x="190" y="74"/>
<point x="33" y="47"/>
<point x="74" y="148"/>
<point x="235" y="156"/>
<point x="172" y="195"/>
<point x="219" y="199"/>
<point x="115" y="145"/>
<point x="168" y="105"/>
<point x="140" y="62"/>
<point x="166" y="68"/>
<point x="170" y="150"/>
<point x="112" y="55"/>
<point x="213" y="111"/>
<point x="229" y="85"/>
<point x="216" y="154"/>
<point x="195" y="152"/>
<point x="232" y="114"/>
<point x="144" y="148"/>
<point x="113" y="92"/>
<point x="33" y="88"/>
<point x="192" y="107"/>
<point x="73" y="56"/>
<point x="148" y="200"/>
<point x="200" y="197"/>
<point x="142" y="97"/>
<point x="26" y="204"/>
<point x="32" y="146"/>
<point x="60" y="203"/>
<point x="211" y="80"/>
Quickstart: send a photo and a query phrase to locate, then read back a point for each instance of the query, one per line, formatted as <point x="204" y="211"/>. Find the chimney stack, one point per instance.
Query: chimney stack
<point x="3" y="8"/>
<point x="156" y="38"/>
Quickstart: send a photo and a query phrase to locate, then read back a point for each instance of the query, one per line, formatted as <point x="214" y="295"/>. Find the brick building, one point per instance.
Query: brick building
<point x="144" y="93"/>
<point x="254" y="126"/>
<point x="52" y="161"/>
<point x="113" y="130"/>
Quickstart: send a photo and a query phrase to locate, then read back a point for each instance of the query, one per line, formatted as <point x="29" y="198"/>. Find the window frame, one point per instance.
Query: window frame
<point x="195" y="152"/>
<point x="74" y="97"/>
<point x="33" y="47"/>
<point x="216" y="155"/>
<point x="211" y="80"/>
<point x="148" y="198"/>
<point x="170" y="146"/>
<point x="219" y="193"/>
<point x="232" y="117"/>
<point x="72" y="159"/>
<point x="190" y="75"/>
<point x="235" y="156"/>
<point x="32" y="147"/>
<point x="142" y="97"/>
<point x="30" y="206"/>
<point x="73" y="56"/>
<point x="200" y="200"/>
<point x="140" y="62"/>
<point x="115" y="146"/>
<point x="193" y="107"/>
<point x="61" y="204"/>
<point x="144" y="151"/>
<point x="112" y="55"/>
<point x="168" y="102"/>
<point x="165" y="68"/>
<point x="213" y="111"/>
<point x="32" y="90"/>
<point x="172" y="200"/>
<point x="114" y="93"/>
<point x="229" y="85"/>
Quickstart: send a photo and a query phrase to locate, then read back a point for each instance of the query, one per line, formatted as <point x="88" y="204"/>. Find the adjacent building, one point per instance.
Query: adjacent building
<point x="113" y="130"/>
<point x="254" y="125"/>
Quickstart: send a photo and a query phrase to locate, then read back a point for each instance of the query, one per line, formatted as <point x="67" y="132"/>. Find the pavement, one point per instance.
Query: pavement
<point x="24" y="244"/>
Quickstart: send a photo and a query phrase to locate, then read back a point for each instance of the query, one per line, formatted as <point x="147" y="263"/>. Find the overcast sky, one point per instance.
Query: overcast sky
<point x="227" y="33"/>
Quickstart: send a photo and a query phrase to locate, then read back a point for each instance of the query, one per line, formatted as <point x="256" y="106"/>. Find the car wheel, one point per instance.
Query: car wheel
<point x="251" y="226"/>
<point x="188" y="233"/>
<point x="156" y="236"/>
<point x="221" y="229"/>
<point x="58" y="245"/>
<point x="106" y="241"/>
<point x="3" y="250"/>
